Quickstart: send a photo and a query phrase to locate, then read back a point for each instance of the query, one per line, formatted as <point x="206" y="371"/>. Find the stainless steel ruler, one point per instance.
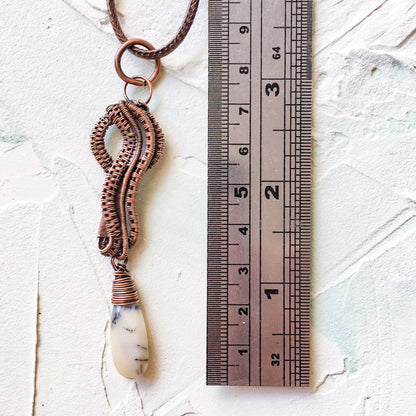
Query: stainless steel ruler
<point x="259" y="192"/>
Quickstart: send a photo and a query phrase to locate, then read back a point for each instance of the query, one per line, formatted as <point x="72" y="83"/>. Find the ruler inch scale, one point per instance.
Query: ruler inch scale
<point x="259" y="192"/>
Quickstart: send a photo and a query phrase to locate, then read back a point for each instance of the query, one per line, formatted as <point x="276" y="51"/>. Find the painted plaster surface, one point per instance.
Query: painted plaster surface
<point x="57" y="78"/>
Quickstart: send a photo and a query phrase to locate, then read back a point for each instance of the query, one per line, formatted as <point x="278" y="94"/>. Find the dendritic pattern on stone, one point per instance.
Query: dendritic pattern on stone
<point x="129" y="345"/>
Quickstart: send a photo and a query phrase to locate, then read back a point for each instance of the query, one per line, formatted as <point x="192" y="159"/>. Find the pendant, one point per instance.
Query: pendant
<point x="119" y="229"/>
<point x="129" y="346"/>
<point x="128" y="333"/>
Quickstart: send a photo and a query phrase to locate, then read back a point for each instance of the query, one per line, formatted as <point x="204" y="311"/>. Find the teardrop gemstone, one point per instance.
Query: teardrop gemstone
<point x="129" y="343"/>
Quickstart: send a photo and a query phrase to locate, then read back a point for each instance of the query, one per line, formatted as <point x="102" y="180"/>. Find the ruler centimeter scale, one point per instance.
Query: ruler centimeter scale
<point x="259" y="192"/>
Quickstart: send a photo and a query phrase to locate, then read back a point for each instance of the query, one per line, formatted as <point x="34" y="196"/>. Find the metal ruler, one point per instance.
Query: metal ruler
<point x="259" y="192"/>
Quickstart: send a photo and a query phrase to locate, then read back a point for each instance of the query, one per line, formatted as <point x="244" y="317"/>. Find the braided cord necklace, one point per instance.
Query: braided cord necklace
<point x="119" y="228"/>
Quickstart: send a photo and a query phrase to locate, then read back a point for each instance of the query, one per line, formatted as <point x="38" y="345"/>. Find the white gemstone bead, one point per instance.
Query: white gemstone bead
<point x="129" y="340"/>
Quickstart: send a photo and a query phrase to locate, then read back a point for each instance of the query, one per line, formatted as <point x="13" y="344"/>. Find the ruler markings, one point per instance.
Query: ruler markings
<point x="261" y="199"/>
<point x="242" y="275"/>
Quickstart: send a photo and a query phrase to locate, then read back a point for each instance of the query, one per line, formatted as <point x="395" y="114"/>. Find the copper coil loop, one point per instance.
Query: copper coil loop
<point x="124" y="289"/>
<point x="119" y="265"/>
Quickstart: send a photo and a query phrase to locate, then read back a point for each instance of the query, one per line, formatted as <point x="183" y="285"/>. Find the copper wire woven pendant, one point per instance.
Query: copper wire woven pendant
<point x="119" y="228"/>
<point x="141" y="148"/>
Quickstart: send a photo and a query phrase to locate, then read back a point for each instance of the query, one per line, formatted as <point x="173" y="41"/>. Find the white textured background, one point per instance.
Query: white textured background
<point x="56" y="80"/>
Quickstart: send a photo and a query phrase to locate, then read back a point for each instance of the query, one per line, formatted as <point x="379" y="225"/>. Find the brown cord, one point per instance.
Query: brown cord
<point x="141" y="149"/>
<point x="165" y="50"/>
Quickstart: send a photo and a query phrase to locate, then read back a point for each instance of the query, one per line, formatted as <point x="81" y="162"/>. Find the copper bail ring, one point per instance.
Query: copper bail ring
<point x="135" y="80"/>
<point x="145" y="81"/>
<point x="116" y="266"/>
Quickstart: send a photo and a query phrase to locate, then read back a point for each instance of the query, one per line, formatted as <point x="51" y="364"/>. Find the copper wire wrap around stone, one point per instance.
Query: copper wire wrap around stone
<point x="141" y="149"/>
<point x="124" y="289"/>
<point x="165" y="50"/>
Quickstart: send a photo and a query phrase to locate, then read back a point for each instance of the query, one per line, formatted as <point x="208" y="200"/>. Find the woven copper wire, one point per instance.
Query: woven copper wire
<point x="124" y="289"/>
<point x="165" y="50"/>
<point x="142" y="147"/>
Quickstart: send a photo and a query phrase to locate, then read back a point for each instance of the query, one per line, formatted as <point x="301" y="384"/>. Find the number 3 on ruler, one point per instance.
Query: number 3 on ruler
<point x="272" y="87"/>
